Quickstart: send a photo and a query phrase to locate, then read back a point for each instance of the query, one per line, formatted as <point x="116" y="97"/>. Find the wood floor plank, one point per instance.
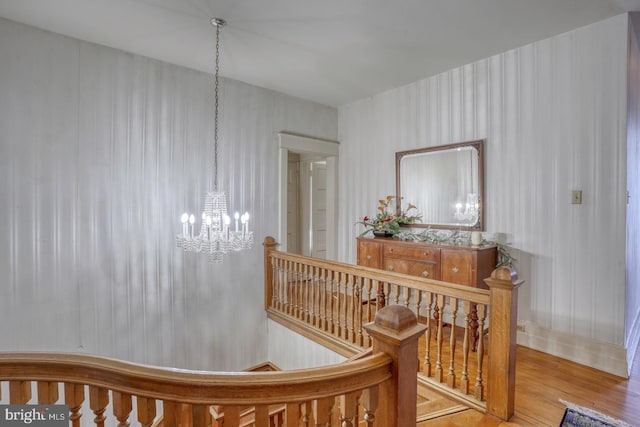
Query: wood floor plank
<point x="542" y="380"/>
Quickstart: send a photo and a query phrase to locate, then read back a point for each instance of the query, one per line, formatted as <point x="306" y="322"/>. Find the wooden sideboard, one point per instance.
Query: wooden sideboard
<point x="464" y="265"/>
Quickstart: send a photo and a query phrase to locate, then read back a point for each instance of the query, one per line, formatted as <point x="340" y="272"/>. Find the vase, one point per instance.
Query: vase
<point x="382" y="234"/>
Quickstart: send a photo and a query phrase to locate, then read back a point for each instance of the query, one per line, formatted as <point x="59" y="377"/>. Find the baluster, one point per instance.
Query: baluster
<point x="280" y="297"/>
<point x="465" y="349"/>
<point x="316" y="297"/>
<point x="231" y="416"/>
<point x="185" y="414"/>
<point x="430" y="323"/>
<point x="47" y="392"/>
<point x="286" y="297"/>
<point x="474" y="326"/>
<point x="370" y="284"/>
<point x="439" y="341"/>
<point x="323" y="299"/>
<point x="200" y="415"/>
<point x="481" y="311"/>
<point x="303" y="291"/>
<point x="351" y="320"/>
<point x="304" y="283"/>
<point x="146" y="411"/>
<point x="98" y="401"/>
<point x="451" y="377"/>
<point x="275" y="285"/>
<point x="370" y="404"/>
<point x="73" y="397"/>
<point x="308" y="419"/>
<point x="299" y="291"/>
<point x="348" y="307"/>
<point x="19" y="392"/>
<point x="169" y="414"/>
<point x="261" y="416"/>
<point x="293" y="415"/>
<point x="349" y="404"/>
<point x="417" y="294"/>
<point x="122" y="408"/>
<point x="332" y="303"/>
<point x="322" y="411"/>
<point x="357" y="316"/>
<point x="339" y="303"/>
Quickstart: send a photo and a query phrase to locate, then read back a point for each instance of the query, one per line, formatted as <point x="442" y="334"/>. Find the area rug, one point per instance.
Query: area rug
<point x="579" y="416"/>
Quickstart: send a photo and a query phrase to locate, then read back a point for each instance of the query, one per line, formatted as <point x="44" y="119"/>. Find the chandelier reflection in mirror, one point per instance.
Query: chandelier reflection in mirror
<point x="217" y="236"/>
<point x="470" y="212"/>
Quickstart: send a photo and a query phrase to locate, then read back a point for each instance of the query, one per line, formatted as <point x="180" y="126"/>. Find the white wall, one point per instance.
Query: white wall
<point x="554" y="117"/>
<point x="290" y="350"/>
<point x="100" y="153"/>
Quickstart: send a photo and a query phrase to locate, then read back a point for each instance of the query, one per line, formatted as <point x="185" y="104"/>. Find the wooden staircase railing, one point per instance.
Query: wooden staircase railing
<point x="330" y="302"/>
<point x="378" y="389"/>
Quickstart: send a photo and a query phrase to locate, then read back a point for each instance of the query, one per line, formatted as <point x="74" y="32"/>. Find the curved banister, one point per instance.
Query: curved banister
<point x="197" y="387"/>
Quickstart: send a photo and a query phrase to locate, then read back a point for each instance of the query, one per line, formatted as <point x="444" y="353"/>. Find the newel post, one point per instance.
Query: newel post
<point x="269" y="246"/>
<point x="503" y="317"/>
<point x="396" y="331"/>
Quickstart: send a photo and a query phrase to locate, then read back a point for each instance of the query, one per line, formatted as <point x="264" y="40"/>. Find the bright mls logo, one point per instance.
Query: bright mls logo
<point x="34" y="415"/>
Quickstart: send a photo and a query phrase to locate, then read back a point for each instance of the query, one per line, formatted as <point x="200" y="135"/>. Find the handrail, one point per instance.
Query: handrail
<point x="196" y="387"/>
<point x="475" y="295"/>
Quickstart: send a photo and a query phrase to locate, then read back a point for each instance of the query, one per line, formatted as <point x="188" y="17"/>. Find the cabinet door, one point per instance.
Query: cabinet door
<point x="369" y="254"/>
<point x="457" y="267"/>
<point x="428" y="270"/>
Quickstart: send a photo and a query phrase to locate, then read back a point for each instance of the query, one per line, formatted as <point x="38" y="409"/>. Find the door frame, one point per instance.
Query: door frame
<point x="329" y="150"/>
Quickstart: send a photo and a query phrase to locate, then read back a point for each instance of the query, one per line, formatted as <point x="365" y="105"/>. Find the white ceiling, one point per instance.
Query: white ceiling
<point x="330" y="51"/>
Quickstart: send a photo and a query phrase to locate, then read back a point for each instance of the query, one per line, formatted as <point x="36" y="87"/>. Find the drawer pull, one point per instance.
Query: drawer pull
<point x="391" y="268"/>
<point x="368" y="256"/>
<point x="390" y="249"/>
<point x="455" y="269"/>
<point x="425" y="274"/>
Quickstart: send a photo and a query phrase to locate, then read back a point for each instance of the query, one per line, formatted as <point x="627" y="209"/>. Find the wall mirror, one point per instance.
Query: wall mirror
<point x="446" y="183"/>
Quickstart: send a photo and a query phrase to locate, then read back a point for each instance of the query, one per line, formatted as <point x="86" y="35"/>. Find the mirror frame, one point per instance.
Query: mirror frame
<point x="479" y="146"/>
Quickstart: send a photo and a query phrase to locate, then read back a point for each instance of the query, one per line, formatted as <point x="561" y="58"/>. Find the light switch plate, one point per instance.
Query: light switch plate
<point x="576" y="197"/>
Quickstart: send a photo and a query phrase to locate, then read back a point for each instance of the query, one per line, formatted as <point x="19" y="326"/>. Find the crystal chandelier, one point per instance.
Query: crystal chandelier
<point x="216" y="236"/>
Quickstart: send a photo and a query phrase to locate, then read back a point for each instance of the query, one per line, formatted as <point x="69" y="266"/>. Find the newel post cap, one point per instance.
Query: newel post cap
<point x="504" y="277"/>
<point x="396" y="323"/>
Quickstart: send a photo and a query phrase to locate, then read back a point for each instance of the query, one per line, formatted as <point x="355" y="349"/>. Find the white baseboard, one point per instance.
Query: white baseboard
<point x="599" y="355"/>
<point x="633" y="340"/>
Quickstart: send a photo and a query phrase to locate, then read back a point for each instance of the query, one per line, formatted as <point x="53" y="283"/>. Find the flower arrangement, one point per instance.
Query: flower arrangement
<point x="388" y="222"/>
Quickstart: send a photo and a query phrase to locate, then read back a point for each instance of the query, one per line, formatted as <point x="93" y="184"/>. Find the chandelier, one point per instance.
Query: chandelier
<point x="217" y="236"/>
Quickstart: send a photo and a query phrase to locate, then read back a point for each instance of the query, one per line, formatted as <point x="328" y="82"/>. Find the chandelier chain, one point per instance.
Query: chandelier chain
<point x="215" y="127"/>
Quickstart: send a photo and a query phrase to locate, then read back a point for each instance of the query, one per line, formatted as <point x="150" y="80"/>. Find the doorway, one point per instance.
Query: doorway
<point x="308" y="195"/>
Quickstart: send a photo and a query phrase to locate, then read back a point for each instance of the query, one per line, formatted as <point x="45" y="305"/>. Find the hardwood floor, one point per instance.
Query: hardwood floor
<point x="542" y="380"/>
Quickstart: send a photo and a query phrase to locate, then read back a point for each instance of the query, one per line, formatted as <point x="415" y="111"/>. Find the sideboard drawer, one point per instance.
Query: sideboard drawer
<point x="427" y="270"/>
<point x="399" y="251"/>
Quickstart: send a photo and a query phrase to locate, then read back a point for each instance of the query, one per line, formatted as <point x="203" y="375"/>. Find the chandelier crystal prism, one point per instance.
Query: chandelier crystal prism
<point x="216" y="236"/>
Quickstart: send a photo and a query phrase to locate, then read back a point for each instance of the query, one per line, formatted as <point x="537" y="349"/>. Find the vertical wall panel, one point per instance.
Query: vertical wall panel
<point x="100" y="153"/>
<point x="553" y="117"/>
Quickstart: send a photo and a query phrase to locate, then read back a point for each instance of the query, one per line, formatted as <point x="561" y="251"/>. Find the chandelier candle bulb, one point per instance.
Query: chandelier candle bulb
<point x="236" y="216"/>
<point x="185" y="228"/>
